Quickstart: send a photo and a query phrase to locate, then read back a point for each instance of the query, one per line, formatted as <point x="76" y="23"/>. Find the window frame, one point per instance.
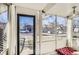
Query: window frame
<point x="18" y="50"/>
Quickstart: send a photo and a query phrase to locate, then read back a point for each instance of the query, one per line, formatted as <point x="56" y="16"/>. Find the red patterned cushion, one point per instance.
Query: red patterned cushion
<point x="65" y="51"/>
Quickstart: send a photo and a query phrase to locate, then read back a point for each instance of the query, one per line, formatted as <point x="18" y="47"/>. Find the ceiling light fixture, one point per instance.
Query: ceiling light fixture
<point x="74" y="12"/>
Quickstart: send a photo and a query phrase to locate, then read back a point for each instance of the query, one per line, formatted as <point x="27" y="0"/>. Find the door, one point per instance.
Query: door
<point x="25" y="34"/>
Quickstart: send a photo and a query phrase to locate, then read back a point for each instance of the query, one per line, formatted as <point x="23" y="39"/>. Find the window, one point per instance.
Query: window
<point x="75" y="28"/>
<point x="48" y="25"/>
<point x="61" y="32"/>
<point x="76" y="24"/>
<point x="48" y="35"/>
<point x="53" y="33"/>
<point x="61" y="25"/>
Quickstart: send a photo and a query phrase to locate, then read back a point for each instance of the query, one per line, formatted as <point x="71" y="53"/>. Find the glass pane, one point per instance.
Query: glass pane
<point x="61" y="25"/>
<point x="26" y="34"/>
<point x="76" y="32"/>
<point x="61" y="32"/>
<point x="48" y="35"/>
<point x="76" y="24"/>
<point x="48" y="25"/>
<point x="3" y="26"/>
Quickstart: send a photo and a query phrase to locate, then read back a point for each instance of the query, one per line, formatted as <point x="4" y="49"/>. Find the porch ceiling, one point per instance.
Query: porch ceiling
<point x="34" y="6"/>
<point x="60" y="9"/>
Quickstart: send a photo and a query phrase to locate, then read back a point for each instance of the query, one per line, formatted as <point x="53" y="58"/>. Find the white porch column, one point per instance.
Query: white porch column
<point x="69" y="31"/>
<point x="13" y="30"/>
<point x="8" y="31"/>
<point x="40" y="31"/>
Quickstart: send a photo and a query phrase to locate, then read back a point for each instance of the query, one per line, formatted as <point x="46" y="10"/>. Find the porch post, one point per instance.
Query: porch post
<point x="8" y="31"/>
<point x="40" y="31"/>
<point x="69" y="31"/>
<point x="13" y="28"/>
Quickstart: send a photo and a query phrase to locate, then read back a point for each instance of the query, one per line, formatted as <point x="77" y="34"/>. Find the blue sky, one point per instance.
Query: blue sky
<point x="60" y="20"/>
<point x="26" y="20"/>
<point x="4" y="17"/>
<point x="29" y="20"/>
<point x="76" y="20"/>
<point x="48" y="19"/>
